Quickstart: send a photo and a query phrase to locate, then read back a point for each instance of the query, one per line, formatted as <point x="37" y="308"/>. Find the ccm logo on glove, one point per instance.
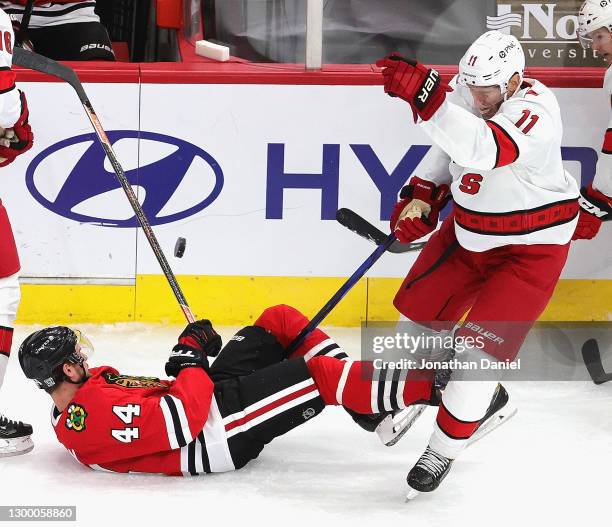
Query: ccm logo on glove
<point x="182" y="352"/>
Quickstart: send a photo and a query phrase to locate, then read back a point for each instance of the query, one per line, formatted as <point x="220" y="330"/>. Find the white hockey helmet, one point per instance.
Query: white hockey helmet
<point x="594" y="14"/>
<point x="491" y="60"/>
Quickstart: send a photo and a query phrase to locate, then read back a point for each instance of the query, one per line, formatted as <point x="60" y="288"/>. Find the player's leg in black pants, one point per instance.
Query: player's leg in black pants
<point x="249" y="350"/>
<point x="265" y="404"/>
<point x="260" y="394"/>
<point x="75" y="41"/>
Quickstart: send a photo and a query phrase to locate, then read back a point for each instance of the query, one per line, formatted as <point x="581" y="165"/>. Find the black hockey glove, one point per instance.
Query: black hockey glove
<point x="195" y="343"/>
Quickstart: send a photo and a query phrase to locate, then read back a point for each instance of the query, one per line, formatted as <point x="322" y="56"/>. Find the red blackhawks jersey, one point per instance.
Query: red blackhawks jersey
<point x="52" y="13"/>
<point x="506" y="174"/>
<point x="121" y="423"/>
<point x="10" y="103"/>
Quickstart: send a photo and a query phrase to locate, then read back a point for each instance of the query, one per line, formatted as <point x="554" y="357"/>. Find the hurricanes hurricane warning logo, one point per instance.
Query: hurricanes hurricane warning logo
<point x="76" y="418"/>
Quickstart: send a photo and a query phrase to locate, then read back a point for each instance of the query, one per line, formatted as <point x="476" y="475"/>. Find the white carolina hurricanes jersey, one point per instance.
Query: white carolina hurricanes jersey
<point x="603" y="174"/>
<point x="508" y="181"/>
<point x="10" y="103"/>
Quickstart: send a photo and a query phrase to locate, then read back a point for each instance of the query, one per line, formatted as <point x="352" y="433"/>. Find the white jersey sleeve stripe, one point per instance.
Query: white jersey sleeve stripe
<point x="319" y="347"/>
<point x="215" y="438"/>
<point x="341" y="383"/>
<point x="177" y="424"/>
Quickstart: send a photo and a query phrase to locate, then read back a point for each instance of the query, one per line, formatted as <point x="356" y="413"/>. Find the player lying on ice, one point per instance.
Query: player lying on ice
<point x="211" y="418"/>
<point x="498" y="257"/>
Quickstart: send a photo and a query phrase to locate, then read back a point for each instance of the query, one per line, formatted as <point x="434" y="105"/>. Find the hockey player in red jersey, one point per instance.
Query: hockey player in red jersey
<point x="498" y="256"/>
<point x="594" y="30"/>
<point x="211" y="418"/>
<point x="15" y="139"/>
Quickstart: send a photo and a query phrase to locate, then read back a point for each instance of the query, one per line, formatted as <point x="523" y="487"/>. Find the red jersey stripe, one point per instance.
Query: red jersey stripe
<point x="517" y="222"/>
<point x="454" y="427"/>
<point x="7" y="80"/>
<point x="607" y="146"/>
<point x="507" y="149"/>
<point x="6" y="339"/>
<point x="270" y="406"/>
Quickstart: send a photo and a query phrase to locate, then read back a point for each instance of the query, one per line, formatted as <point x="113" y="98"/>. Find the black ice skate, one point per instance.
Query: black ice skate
<point x="428" y="473"/>
<point x="14" y="437"/>
<point x="499" y="411"/>
<point x="393" y="427"/>
<point x="369" y="422"/>
<point x="432" y="468"/>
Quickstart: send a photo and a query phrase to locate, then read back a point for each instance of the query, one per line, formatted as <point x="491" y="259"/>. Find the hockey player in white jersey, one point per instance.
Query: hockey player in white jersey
<point x="594" y="30"/>
<point x="15" y="138"/>
<point x="497" y="147"/>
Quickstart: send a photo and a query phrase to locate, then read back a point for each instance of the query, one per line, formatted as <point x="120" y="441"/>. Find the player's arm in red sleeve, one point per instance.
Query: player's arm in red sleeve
<point x="118" y="423"/>
<point x="188" y="362"/>
<point x="185" y="407"/>
<point x="125" y="422"/>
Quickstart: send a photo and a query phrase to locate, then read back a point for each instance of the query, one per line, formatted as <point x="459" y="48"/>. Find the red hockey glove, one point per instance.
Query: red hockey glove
<point x="419" y="86"/>
<point x="595" y="207"/>
<point x="197" y="341"/>
<point x="23" y="137"/>
<point x="416" y="213"/>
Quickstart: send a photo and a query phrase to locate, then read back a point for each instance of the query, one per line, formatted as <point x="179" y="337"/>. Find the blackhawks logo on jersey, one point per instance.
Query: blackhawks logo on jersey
<point x="76" y="418"/>
<point x="127" y="381"/>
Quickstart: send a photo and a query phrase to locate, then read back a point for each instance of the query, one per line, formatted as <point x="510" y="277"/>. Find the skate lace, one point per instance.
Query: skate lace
<point x="5" y="421"/>
<point x="432" y="462"/>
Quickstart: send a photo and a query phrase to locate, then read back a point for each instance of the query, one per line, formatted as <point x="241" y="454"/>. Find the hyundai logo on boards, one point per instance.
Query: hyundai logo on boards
<point x="168" y="167"/>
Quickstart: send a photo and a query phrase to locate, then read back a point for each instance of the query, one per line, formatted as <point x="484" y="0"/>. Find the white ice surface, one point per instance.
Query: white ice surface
<point x="549" y="465"/>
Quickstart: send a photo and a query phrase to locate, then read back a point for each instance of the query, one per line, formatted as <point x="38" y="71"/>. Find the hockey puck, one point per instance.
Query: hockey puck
<point x="179" y="247"/>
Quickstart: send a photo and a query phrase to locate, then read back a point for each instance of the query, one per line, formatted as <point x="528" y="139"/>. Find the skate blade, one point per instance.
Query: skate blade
<point x="392" y="429"/>
<point x="494" y="422"/>
<point x="15" y="447"/>
<point x="411" y="494"/>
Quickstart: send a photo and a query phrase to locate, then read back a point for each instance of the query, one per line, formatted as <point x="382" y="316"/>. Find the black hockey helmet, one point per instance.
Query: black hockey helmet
<point x="44" y="352"/>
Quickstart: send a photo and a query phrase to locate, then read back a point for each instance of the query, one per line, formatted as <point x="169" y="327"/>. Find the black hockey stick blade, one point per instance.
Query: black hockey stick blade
<point x="359" y="225"/>
<point x="592" y="360"/>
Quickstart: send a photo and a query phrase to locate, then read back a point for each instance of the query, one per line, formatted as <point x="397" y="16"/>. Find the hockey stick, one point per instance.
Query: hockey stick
<point x="359" y="225"/>
<point x="354" y="222"/>
<point x="592" y="360"/>
<point x="25" y="24"/>
<point x="340" y="294"/>
<point x="37" y="62"/>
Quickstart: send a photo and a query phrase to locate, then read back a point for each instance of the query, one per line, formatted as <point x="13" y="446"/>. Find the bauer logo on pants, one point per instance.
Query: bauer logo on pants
<point x="172" y="178"/>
